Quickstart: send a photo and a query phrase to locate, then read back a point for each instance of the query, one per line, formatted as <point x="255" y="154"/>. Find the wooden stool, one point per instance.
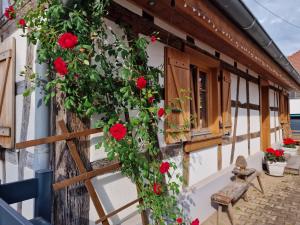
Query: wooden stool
<point x="243" y="173"/>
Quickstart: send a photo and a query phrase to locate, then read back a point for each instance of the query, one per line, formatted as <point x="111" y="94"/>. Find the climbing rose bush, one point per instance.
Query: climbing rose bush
<point x="93" y="71"/>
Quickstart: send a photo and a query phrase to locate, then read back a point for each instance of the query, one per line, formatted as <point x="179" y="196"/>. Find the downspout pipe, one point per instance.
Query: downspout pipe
<point x="41" y="119"/>
<point x="242" y="16"/>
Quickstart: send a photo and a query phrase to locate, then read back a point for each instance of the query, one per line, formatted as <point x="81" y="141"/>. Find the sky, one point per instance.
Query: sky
<point x="286" y="36"/>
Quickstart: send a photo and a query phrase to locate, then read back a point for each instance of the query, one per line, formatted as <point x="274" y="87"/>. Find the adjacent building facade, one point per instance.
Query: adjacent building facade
<point x="237" y="79"/>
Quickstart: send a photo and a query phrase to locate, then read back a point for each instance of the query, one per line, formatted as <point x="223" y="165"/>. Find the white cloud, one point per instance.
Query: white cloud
<point x="286" y="36"/>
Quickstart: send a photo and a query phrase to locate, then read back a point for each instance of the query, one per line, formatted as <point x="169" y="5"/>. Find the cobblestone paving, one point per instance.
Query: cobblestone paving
<point x="279" y="206"/>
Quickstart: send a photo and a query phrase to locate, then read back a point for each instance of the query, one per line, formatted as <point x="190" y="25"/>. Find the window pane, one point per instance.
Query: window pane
<point x="203" y="99"/>
<point x="194" y="94"/>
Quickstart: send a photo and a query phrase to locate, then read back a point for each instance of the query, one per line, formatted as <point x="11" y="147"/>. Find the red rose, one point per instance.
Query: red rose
<point x="60" y="66"/>
<point x="10" y="13"/>
<point x="157" y="188"/>
<point x="164" y="167"/>
<point x="141" y="83"/>
<point x="67" y="40"/>
<point x="22" y="22"/>
<point x="195" y="222"/>
<point x="270" y="150"/>
<point x="153" y="39"/>
<point x="118" y="131"/>
<point x="160" y="112"/>
<point x="179" y="220"/>
<point x="151" y="100"/>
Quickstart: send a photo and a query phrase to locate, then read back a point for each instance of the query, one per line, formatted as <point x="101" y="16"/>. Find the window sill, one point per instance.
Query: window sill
<point x="203" y="141"/>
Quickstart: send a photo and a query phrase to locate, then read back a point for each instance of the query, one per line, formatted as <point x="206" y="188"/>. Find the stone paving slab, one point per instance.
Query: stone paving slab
<point x="279" y="206"/>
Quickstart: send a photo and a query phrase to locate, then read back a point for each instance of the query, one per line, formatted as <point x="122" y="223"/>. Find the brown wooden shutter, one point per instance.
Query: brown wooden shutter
<point x="7" y="93"/>
<point x="226" y="101"/>
<point x="177" y="96"/>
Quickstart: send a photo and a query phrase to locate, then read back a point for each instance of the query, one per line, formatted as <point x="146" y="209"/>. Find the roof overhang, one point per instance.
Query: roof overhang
<point x="217" y="29"/>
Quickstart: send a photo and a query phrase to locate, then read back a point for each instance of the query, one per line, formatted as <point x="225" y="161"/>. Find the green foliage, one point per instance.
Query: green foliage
<point x="101" y="79"/>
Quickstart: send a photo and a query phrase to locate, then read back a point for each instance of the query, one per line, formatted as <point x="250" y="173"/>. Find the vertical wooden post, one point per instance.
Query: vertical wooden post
<point x="265" y="115"/>
<point x="219" y="156"/>
<point x="235" y="119"/>
<point x="71" y="205"/>
<point x="248" y="116"/>
<point x="186" y="168"/>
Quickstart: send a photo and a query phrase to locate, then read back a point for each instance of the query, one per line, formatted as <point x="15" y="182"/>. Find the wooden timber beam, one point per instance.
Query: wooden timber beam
<point x="186" y="20"/>
<point x="61" y="137"/>
<point x="86" y="176"/>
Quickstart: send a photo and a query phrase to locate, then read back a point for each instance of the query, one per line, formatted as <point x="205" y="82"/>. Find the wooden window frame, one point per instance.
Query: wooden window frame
<point x="212" y="135"/>
<point x="199" y="130"/>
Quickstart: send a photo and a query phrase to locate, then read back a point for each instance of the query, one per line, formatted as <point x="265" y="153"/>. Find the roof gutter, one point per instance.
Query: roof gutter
<point x="243" y="17"/>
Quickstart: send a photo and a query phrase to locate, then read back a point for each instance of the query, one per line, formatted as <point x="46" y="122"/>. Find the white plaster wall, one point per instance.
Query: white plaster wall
<point x="271" y="98"/>
<point x="255" y="145"/>
<point x="205" y="47"/>
<point x="169" y="28"/>
<point x="254" y="121"/>
<point x="203" y="163"/>
<point x="254" y="93"/>
<point x="114" y="191"/>
<point x="227" y="59"/>
<point x="241" y="67"/>
<point x="295" y="106"/>
<point x="226" y="153"/>
<point x="242" y="91"/>
<point x="130" y="6"/>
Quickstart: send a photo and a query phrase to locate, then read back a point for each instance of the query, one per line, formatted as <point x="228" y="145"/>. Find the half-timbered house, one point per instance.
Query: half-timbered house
<point x="237" y="79"/>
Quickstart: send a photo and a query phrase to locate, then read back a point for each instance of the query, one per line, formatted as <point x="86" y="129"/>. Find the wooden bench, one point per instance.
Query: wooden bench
<point x="228" y="195"/>
<point x="237" y="189"/>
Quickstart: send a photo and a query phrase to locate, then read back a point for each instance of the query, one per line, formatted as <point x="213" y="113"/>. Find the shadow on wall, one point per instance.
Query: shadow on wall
<point x="114" y="191"/>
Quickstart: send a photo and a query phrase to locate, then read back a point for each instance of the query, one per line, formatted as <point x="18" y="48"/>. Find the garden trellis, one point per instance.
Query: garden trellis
<point x="84" y="175"/>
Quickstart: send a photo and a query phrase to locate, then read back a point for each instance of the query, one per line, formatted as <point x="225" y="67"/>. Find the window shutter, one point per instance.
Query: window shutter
<point x="226" y="102"/>
<point x="177" y="96"/>
<point x="7" y="93"/>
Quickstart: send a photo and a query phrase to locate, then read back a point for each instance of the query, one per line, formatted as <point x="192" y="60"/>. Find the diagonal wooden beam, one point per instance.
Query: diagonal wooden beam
<point x="86" y="176"/>
<point x="3" y="84"/>
<point x="52" y="139"/>
<point x="117" y="211"/>
<point x="88" y="183"/>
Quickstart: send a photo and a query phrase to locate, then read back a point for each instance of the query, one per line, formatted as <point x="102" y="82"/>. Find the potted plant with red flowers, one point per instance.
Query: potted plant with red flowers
<point x="275" y="161"/>
<point x="289" y="146"/>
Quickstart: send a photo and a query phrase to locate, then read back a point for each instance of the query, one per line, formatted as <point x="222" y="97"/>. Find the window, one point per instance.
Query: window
<point x="192" y="93"/>
<point x="199" y="103"/>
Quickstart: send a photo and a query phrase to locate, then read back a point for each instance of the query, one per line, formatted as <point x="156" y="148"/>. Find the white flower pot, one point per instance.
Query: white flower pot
<point x="276" y="168"/>
<point x="291" y="151"/>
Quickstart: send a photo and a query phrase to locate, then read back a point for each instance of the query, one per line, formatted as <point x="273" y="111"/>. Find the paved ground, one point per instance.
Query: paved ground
<point x="279" y="206"/>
